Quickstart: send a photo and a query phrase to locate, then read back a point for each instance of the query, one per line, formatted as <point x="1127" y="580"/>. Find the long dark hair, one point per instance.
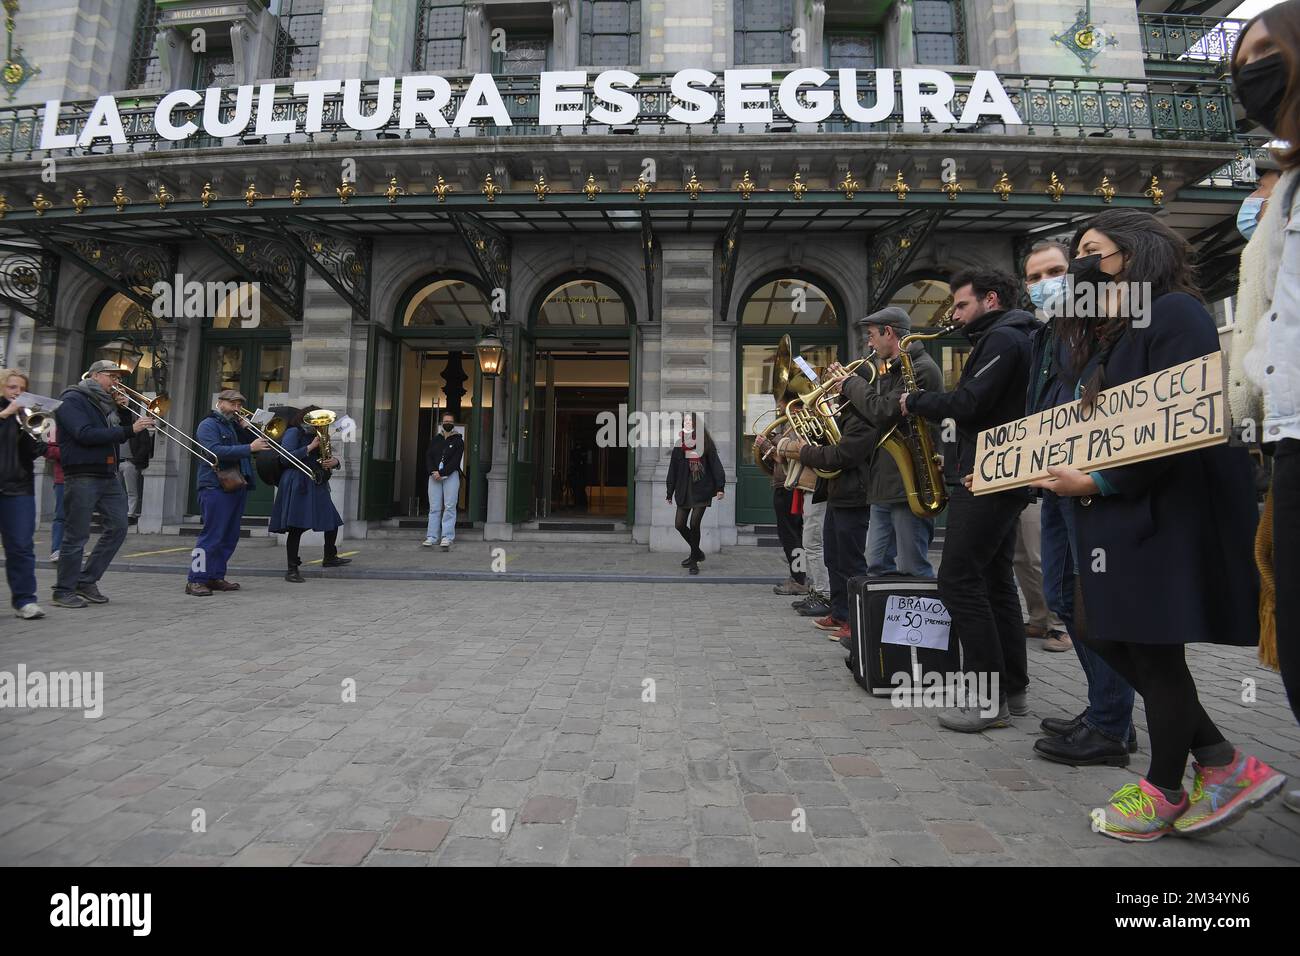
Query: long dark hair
<point x="1154" y="254"/>
<point x="1283" y="22"/>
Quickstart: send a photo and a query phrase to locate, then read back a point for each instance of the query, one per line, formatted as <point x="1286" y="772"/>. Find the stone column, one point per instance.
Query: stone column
<point x="564" y="55"/>
<point x="497" y="527"/>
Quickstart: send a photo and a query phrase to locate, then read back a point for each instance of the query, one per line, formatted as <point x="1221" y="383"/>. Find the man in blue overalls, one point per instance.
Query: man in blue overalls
<point x="221" y="510"/>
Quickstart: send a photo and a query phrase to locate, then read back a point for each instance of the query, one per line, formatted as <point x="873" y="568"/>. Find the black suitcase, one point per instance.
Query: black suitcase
<point x="879" y="649"/>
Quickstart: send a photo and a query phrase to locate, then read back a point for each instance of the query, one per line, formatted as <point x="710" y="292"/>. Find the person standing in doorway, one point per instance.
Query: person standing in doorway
<point x="695" y="479"/>
<point x="443" y="459"/>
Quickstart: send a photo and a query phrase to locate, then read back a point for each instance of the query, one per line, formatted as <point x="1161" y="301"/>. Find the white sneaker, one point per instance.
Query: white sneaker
<point x="54" y="556"/>
<point x="30" y="612"/>
<point x="428" y="543"/>
<point x="445" y="544"/>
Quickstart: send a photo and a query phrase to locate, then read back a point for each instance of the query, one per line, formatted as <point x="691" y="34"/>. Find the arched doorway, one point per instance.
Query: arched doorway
<point x="786" y="303"/>
<point x="576" y="365"/>
<point x="424" y="367"/>
<point x="250" y="356"/>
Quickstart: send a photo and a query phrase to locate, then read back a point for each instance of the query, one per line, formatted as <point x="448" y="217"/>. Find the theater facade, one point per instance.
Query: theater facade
<point x="634" y="199"/>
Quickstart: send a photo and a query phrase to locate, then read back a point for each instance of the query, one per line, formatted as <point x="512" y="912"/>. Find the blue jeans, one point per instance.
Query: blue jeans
<point x="17" y="525"/>
<point x="56" y="527"/>
<point x="899" y="541"/>
<point x="221" y="513"/>
<point x="82" y="495"/>
<point x="443" y="496"/>
<point x="844" y="541"/>
<point x="1110" y="698"/>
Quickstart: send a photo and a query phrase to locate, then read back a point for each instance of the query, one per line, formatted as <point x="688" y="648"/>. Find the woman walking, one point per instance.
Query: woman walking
<point x="303" y="505"/>
<point x="695" y="478"/>
<point x="1166" y="545"/>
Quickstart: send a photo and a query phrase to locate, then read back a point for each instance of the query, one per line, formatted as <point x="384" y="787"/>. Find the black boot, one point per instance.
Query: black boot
<point x="294" y="576"/>
<point x="335" y="562"/>
<point x="1083" y="747"/>
<point x="1057" y="727"/>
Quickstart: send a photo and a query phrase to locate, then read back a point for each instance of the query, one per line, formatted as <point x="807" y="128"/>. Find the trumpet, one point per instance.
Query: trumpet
<point x="274" y="427"/>
<point x="39" y="425"/>
<point x="153" y="408"/>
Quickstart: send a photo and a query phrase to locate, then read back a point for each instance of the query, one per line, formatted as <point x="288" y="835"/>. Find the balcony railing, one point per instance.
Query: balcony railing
<point x="1195" y="41"/>
<point x="1188" y="110"/>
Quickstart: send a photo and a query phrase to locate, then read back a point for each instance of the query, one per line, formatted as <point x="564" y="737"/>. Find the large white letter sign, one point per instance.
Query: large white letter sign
<point x="936" y="103"/>
<point x="683" y="87"/>
<point x="482" y="101"/>
<point x="987" y="97"/>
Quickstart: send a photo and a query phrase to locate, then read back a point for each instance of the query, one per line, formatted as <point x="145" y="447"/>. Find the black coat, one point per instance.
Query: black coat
<point x="17" y="452"/>
<point x="444" y="454"/>
<point x="692" y="494"/>
<point x="992" y="387"/>
<point x="851" y="456"/>
<point x="885" y="485"/>
<point x="1177" y="536"/>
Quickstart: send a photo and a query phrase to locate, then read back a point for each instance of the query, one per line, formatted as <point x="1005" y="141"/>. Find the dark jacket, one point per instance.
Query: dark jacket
<point x="1049" y="381"/>
<point x="692" y="494"/>
<point x="852" y="454"/>
<point x="299" y="501"/>
<point x="140" y="444"/>
<point x="1177" y="535"/>
<point x="88" y="441"/>
<point x="885" y="483"/>
<point x="17" y="452"/>
<point x="993" y="384"/>
<point x="223" y="439"/>
<point x="444" y="454"/>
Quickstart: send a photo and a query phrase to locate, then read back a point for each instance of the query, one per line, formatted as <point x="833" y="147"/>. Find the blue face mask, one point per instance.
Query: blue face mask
<point x="1046" y="292"/>
<point x="1248" y="216"/>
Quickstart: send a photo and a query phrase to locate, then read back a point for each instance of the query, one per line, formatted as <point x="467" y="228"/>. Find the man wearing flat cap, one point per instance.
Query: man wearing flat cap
<point x="897" y="540"/>
<point x="223" y="433"/>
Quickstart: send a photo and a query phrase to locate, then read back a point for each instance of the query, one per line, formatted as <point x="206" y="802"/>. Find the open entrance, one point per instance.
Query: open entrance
<point x="579" y="476"/>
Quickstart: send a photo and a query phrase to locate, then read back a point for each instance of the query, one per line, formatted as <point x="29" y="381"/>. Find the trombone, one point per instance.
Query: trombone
<point x="265" y="435"/>
<point x="152" y="408"/>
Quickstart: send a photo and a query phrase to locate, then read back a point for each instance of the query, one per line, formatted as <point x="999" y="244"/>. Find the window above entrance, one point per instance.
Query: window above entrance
<point x="447" y="304"/>
<point x="583" y="303"/>
<point x="925" y="300"/>
<point x="788" y="302"/>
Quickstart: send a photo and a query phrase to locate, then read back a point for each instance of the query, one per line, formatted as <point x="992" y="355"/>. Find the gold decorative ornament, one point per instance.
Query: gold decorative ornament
<point x="694" y="187"/>
<point x="251" y="195"/>
<point x="746" y="186"/>
<point x="642" y="187"/>
<point x="163" y="197"/>
<point x="592" y="189"/>
<point x="1106" y="191"/>
<point x="80" y="203"/>
<point x="491" y="189"/>
<point x="41" y="204"/>
<point x="4" y="205"/>
<point x="207" y="195"/>
<point x="1003" y="187"/>
<point x="900" y="188"/>
<point x="540" y="189"/>
<point x="1154" y="192"/>
<point x="952" y="188"/>
<point x="345" y="191"/>
<point x="120" y="199"/>
<point x="393" y="190"/>
<point x="442" y="189"/>
<point x="849" y="186"/>
<point x="1055" y="188"/>
<point x="798" y="187"/>
<point x="298" y="194"/>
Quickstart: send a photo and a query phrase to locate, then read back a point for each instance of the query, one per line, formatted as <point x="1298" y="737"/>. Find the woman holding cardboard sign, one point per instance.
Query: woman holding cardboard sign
<point x="1165" y="545"/>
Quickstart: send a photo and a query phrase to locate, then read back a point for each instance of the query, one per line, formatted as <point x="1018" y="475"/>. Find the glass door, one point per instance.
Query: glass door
<point x="379" y="436"/>
<point x="520" y="506"/>
<point x="259" y="368"/>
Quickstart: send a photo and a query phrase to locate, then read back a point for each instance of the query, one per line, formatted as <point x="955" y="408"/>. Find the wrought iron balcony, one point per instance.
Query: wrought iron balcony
<point x="1187" y="42"/>
<point x="1189" y="110"/>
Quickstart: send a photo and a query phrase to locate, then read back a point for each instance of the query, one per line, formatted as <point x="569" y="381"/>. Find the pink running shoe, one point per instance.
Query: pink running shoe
<point x="1138" y="812"/>
<point x="1222" y="794"/>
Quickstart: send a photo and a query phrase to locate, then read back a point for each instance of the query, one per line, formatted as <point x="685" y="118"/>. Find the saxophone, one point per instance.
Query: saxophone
<point x="910" y="442"/>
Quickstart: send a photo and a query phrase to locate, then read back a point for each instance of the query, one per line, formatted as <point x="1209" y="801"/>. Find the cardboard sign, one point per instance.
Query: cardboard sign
<point x="1174" y="410"/>
<point x="916" y="622"/>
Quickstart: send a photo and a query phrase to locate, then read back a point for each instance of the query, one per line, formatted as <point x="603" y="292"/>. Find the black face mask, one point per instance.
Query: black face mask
<point x="1260" y="86"/>
<point x="1087" y="269"/>
<point x="447" y="427"/>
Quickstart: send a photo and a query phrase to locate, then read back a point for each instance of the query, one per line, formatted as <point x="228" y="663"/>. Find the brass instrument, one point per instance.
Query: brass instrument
<point x="814" y="423"/>
<point x="271" y="434"/>
<point x="39" y="425"/>
<point x="910" y="442"/>
<point x="321" y="420"/>
<point x="154" y="408"/>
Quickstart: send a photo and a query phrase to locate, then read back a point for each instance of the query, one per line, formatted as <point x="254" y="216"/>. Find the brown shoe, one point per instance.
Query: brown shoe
<point x="221" y="584"/>
<point x="1058" y="641"/>
<point x="198" y="589"/>
<point x="1036" y="632"/>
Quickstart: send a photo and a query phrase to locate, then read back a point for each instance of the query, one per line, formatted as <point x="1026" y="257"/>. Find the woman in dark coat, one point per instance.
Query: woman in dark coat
<point x="1165" y="546"/>
<point x="695" y="478"/>
<point x="301" y="504"/>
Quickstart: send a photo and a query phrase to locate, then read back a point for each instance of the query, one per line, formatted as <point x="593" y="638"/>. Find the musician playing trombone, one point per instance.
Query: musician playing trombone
<point x="90" y="434"/>
<point x="19" y="447"/>
<point x="222" y="510"/>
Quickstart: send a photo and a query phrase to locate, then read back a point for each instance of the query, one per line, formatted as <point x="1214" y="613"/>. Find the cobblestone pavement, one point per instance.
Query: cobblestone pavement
<point x="504" y="723"/>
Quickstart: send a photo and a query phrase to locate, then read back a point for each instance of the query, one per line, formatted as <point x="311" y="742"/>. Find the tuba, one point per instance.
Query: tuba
<point x="321" y="420"/>
<point x="910" y="442"/>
